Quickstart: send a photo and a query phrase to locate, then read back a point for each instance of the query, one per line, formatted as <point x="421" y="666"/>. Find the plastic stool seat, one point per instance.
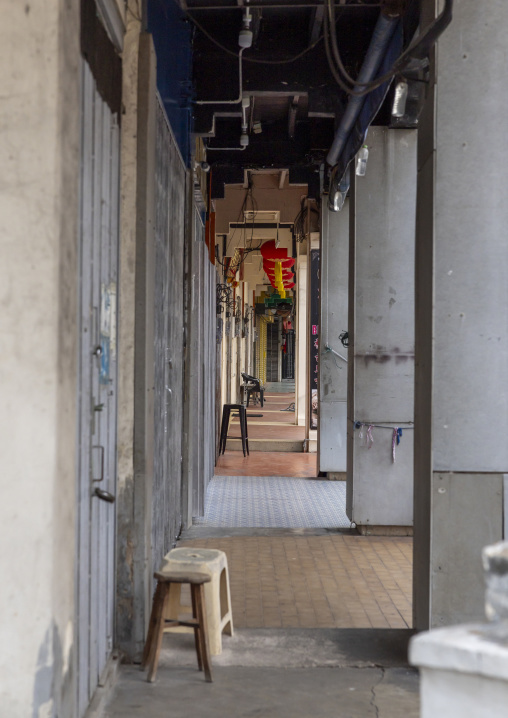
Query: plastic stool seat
<point x="214" y="564"/>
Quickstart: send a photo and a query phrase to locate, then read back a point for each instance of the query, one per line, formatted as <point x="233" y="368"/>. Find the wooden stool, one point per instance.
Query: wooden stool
<point x="158" y="621"/>
<point x="226" y="415"/>
<point x="213" y="563"/>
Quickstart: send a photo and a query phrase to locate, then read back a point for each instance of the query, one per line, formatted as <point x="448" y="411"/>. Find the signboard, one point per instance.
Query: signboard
<point x="314" y="337"/>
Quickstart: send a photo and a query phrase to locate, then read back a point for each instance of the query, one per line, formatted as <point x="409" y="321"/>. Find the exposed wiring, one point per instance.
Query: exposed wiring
<point x="286" y="61"/>
<point x="299" y="221"/>
<point x="328" y="348"/>
<point x="418" y="48"/>
<point x="248" y="242"/>
<point x="229" y="102"/>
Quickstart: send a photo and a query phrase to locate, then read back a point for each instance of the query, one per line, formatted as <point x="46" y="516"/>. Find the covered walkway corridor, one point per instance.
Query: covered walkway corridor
<point x="311" y="193"/>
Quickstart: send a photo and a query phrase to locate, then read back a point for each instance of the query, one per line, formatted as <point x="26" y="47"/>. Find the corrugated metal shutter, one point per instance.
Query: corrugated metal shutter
<point x="99" y="238"/>
<point x="169" y="339"/>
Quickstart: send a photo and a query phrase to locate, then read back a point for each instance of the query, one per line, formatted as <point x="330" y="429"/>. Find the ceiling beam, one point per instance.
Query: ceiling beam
<point x="283" y="4"/>
<point x="316" y="23"/>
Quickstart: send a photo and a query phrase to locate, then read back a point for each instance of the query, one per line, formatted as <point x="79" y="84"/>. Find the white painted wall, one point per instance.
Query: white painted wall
<point x="334" y="275"/>
<point x="39" y="117"/>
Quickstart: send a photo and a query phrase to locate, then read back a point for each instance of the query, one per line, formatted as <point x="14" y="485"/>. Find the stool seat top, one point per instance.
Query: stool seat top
<point x="191" y="555"/>
<point x="177" y="576"/>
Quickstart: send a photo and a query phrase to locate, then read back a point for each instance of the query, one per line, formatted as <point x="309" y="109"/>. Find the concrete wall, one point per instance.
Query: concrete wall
<point x="381" y="327"/>
<point x="135" y="336"/>
<point x="462" y="295"/>
<point x="334" y="273"/>
<point x="39" y="154"/>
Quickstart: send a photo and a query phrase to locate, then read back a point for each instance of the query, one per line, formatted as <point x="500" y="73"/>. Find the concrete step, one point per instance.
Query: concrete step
<point x="289" y="445"/>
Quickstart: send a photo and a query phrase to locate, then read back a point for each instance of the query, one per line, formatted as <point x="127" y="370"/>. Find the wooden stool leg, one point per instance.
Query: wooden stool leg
<point x="152" y="624"/>
<point x="203" y="630"/>
<point x="197" y="639"/>
<point x="157" y="629"/>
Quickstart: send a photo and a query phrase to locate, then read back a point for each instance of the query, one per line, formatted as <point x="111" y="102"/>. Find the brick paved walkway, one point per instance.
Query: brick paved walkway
<point x="339" y="580"/>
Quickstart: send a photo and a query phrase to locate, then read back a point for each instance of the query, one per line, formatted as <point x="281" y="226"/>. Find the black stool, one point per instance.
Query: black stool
<point x="252" y="385"/>
<point x="226" y="414"/>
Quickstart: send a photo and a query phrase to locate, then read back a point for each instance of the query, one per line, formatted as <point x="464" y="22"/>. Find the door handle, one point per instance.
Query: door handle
<point x="104" y="495"/>
<point x="102" y="463"/>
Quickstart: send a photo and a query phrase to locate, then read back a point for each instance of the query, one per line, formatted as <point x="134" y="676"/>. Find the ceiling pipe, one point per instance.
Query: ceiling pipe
<point x="285" y="5"/>
<point x="228" y="102"/>
<point x="245" y="41"/>
<point x="224" y="149"/>
<point x="381" y="38"/>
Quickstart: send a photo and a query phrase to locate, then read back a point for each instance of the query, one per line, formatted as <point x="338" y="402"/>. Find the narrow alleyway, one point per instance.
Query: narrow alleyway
<point x="322" y="615"/>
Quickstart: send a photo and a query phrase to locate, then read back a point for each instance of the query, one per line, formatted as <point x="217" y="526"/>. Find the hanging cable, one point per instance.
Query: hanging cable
<point x="228" y="102"/>
<point x="285" y="61"/>
<point x="417" y="49"/>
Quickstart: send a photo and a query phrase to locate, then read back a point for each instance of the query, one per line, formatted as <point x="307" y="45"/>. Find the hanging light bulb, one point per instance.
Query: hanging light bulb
<point x="400" y="99"/>
<point x="361" y="163"/>
<point x="338" y="200"/>
<point x="246" y="35"/>
<point x="338" y="191"/>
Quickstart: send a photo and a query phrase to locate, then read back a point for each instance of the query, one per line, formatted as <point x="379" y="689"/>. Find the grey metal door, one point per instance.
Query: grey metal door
<point x="170" y="218"/>
<point x="97" y="389"/>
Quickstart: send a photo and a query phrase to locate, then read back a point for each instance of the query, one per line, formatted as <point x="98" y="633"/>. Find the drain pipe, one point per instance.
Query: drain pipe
<point x="383" y="33"/>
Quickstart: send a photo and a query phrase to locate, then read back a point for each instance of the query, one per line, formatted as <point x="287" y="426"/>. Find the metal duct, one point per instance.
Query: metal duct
<point x="381" y="38"/>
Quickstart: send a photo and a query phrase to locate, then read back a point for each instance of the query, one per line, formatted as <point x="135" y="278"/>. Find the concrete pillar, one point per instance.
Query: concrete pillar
<point x="39" y="154"/>
<point x="461" y="330"/>
<point x="136" y="341"/>
<point x="381" y="330"/>
<point x="301" y="341"/>
<point x="332" y="423"/>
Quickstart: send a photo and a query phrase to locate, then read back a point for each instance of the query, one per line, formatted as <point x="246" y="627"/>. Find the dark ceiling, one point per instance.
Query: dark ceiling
<point x="294" y="106"/>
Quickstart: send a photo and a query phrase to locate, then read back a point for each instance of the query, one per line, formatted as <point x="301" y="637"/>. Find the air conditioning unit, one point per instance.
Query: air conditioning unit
<point x="266" y="216"/>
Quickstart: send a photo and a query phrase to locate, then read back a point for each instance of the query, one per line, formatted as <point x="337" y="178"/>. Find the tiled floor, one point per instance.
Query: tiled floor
<point x="307" y="581"/>
<point x="342" y="581"/>
<point x="267" y="463"/>
<point x="274" y="502"/>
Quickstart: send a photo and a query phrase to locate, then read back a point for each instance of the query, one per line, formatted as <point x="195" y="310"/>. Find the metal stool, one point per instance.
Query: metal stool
<point x="158" y="622"/>
<point x="253" y="386"/>
<point x="226" y="415"/>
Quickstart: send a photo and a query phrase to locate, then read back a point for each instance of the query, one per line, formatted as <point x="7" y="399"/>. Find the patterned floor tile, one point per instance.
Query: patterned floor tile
<point x="274" y="502"/>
